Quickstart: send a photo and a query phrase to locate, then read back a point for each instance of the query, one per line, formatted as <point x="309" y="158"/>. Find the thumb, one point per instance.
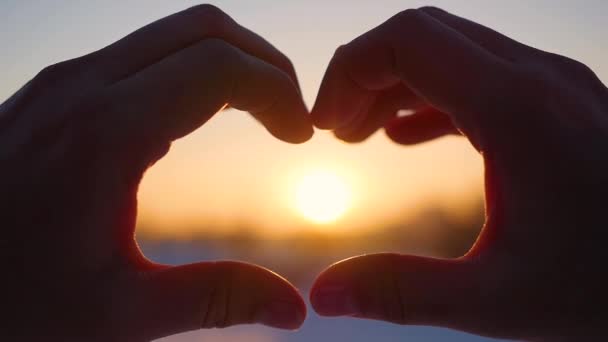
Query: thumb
<point x="172" y="300"/>
<point x="400" y="289"/>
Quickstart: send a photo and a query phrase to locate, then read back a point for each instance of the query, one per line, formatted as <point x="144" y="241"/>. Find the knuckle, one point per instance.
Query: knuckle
<point x="407" y="17"/>
<point x="431" y="10"/>
<point x="206" y="10"/>
<point x="578" y="71"/>
<point x="211" y="16"/>
<point x="66" y="71"/>
<point x="52" y="73"/>
<point x="341" y="53"/>
<point x="566" y="63"/>
<point x="572" y="70"/>
<point x="575" y="77"/>
<point x="411" y="21"/>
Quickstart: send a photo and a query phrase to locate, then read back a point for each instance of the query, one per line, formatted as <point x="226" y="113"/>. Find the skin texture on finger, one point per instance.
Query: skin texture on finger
<point x="440" y="65"/>
<point x="166" y="36"/>
<point x="177" y="95"/>
<point x="423" y="125"/>
<point x="400" y="289"/>
<point x="170" y="300"/>
<point x="384" y="108"/>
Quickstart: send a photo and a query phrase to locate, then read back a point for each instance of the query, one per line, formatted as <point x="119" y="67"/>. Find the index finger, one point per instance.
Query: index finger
<point x="166" y="36"/>
<point x="175" y="96"/>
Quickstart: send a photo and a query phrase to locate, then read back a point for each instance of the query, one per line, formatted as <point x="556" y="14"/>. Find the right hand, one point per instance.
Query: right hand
<point x="538" y="269"/>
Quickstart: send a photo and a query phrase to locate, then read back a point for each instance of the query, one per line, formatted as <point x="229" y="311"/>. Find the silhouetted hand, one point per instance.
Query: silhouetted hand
<point x="540" y="121"/>
<point x="74" y="144"/>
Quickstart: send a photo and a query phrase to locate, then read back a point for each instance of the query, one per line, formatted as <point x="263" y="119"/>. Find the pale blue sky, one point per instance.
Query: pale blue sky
<point x="36" y="33"/>
<point x="207" y="167"/>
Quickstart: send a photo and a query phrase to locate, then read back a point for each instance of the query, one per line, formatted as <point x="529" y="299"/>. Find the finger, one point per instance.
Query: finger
<point x="442" y="66"/>
<point x="424" y="125"/>
<point x="399" y="289"/>
<point x="178" y="94"/>
<point x="166" y="36"/>
<point x="211" y="295"/>
<point x="497" y="43"/>
<point x="384" y="108"/>
<point x="340" y="98"/>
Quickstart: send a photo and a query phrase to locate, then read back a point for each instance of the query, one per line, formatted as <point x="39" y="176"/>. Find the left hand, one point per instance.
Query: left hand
<point x="74" y="145"/>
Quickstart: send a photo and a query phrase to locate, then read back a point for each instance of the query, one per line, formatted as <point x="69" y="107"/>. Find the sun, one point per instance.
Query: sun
<point x="322" y="196"/>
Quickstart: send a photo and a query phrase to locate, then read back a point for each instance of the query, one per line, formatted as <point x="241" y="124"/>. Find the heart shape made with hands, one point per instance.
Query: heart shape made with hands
<point x="93" y="125"/>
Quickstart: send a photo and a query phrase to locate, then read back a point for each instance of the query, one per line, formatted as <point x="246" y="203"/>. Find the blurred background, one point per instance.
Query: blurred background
<point x="231" y="191"/>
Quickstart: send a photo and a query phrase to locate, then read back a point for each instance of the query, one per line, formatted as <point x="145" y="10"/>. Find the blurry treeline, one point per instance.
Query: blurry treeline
<point x="433" y="231"/>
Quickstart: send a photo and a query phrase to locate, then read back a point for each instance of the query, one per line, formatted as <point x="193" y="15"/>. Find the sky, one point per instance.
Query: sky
<point x="231" y="172"/>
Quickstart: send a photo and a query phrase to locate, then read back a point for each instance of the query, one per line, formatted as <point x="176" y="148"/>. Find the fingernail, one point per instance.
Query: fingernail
<point x="335" y="300"/>
<point x="281" y="314"/>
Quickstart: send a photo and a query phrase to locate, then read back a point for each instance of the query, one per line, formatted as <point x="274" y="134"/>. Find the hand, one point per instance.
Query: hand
<point x="74" y="144"/>
<point x="537" y="271"/>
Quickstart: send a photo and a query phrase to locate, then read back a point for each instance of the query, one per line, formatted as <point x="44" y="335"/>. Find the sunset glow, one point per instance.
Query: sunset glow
<point x="322" y="197"/>
<point x="231" y="174"/>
